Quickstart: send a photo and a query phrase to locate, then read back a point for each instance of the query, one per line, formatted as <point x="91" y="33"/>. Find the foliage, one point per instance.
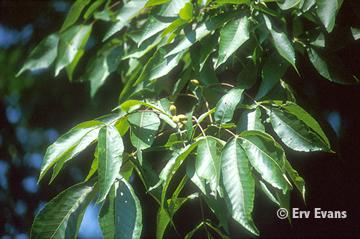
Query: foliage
<point x="174" y="58"/>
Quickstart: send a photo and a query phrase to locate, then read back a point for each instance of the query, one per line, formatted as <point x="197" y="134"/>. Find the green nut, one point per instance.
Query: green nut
<point x="173" y="109"/>
<point x="195" y="82"/>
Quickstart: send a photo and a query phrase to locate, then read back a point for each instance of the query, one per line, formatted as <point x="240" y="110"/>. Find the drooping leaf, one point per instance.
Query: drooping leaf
<point x="151" y="3"/>
<point x="92" y="8"/>
<point x="217" y="205"/>
<point x="171" y="167"/>
<point x="297" y="180"/>
<point x="287" y="4"/>
<point x="355" y="33"/>
<point x="161" y="19"/>
<point x="297" y="129"/>
<point x="248" y="75"/>
<point x="251" y="120"/>
<point x="232" y="36"/>
<point x="164" y="217"/>
<point x="267" y="157"/>
<point x="94" y="166"/>
<point x="159" y="65"/>
<point x="307" y="5"/>
<point x="238" y="183"/>
<point x="327" y="11"/>
<point x="71" y="41"/>
<point x="226" y="106"/>
<point x="144" y="126"/>
<point x="330" y="68"/>
<point x="74" y="13"/>
<point x="43" y="55"/>
<point x="120" y="216"/>
<point x="61" y="217"/>
<point x="130" y="10"/>
<point x="110" y="153"/>
<point x="221" y="2"/>
<point x="281" y="42"/>
<point x="70" y="144"/>
<point x="273" y="69"/>
<point x="200" y="32"/>
<point x="102" y="66"/>
<point x="208" y="163"/>
<point x="186" y="13"/>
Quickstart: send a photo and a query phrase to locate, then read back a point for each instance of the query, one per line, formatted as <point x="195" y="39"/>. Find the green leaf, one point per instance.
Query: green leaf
<point x="281" y="43"/>
<point x="355" y="33"/>
<point x="327" y="11"/>
<point x="71" y="42"/>
<point x="297" y="129"/>
<point x="226" y="106"/>
<point x="94" y="166"/>
<point x="186" y="13"/>
<point x="120" y="216"/>
<point x="164" y="217"/>
<point x="70" y="144"/>
<point x="200" y="32"/>
<point x="287" y="4"/>
<point x="267" y="157"/>
<point x="144" y="126"/>
<point x="151" y="3"/>
<point x="159" y="65"/>
<point x="191" y="233"/>
<point x="221" y="2"/>
<point x="174" y="163"/>
<point x="71" y="68"/>
<point x="239" y="184"/>
<point x="128" y="105"/>
<point x="110" y="152"/>
<point x="234" y="34"/>
<point x="160" y="20"/>
<point x="74" y="13"/>
<point x="251" y="120"/>
<point x="296" y="179"/>
<point x="330" y="68"/>
<point x="248" y="75"/>
<point x="101" y="66"/>
<point x="43" y="55"/>
<point x="273" y="70"/>
<point x="208" y="163"/>
<point x="307" y="5"/>
<point x="92" y="8"/>
<point x="130" y="10"/>
<point x="62" y="216"/>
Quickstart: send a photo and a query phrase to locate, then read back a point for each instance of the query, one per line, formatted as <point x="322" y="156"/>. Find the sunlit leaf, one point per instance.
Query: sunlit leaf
<point x="208" y="163"/>
<point x="121" y="216"/>
<point x="297" y="129"/>
<point x="74" y="13"/>
<point x="71" y="41"/>
<point x="130" y="10"/>
<point x="232" y="36"/>
<point x="267" y="157"/>
<point x="144" y="126"/>
<point x="43" y="55"/>
<point x="61" y="217"/>
<point x="226" y="106"/>
<point x="238" y="183"/>
<point x="281" y="42"/>
<point x="110" y="153"/>
<point x="70" y="144"/>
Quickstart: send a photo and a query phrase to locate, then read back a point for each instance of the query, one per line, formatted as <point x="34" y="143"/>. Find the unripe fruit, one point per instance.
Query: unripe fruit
<point x="182" y="117"/>
<point x="175" y="119"/>
<point x="195" y="82"/>
<point x="173" y="109"/>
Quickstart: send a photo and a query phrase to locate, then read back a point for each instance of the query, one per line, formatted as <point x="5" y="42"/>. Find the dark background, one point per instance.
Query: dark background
<point x="36" y="108"/>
